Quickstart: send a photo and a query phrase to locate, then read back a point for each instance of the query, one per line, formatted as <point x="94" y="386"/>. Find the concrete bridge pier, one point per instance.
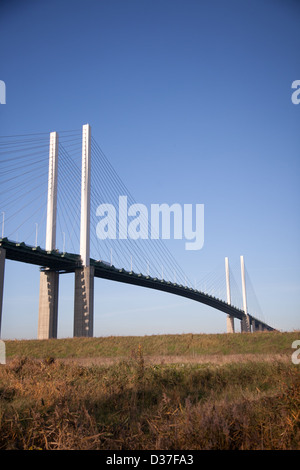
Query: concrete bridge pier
<point x="84" y="301"/>
<point x="245" y="324"/>
<point x="253" y="325"/>
<point x="2" y="268"/>
<point x="230" y="324"/>
<point x="48" y="304"/>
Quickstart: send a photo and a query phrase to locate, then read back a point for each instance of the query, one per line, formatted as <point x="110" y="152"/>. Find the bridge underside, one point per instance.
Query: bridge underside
<point x="67" y="262"/>
<point x="120" y="275"/>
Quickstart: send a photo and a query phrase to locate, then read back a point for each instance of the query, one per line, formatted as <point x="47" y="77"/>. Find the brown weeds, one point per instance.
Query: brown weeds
<point x="46" y="404"/>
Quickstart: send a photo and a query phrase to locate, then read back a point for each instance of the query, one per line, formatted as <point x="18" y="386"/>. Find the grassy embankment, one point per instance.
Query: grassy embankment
<point x="187" y="345"/>
<point x="47" y="403"/>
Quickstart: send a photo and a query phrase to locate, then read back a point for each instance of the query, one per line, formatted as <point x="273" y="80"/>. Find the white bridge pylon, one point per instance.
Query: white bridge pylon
<point x="84" y="276"/>
<point x="245" y="322"/>
<point x="49" y="279"/>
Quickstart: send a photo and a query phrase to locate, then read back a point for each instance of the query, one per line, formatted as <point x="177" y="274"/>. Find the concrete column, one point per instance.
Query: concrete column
<point x="84" y="301"/>
<point x="230" y="324"/>
<point x="48" y="302"/>
<point x="2" y="268"/>
<point x="230" y="318"/>
<point x="244" y="325"/>
<point x="84" y="277"/>
<point x="253" y="324"/>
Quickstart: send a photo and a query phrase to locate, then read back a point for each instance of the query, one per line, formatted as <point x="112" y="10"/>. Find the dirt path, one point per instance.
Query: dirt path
<point x="203" y="359"/>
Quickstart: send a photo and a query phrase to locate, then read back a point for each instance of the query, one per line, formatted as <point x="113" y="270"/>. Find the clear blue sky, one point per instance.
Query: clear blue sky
<point x="191" y="102"/>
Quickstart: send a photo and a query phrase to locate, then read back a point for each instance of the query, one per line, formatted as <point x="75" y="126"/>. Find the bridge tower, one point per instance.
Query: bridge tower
<point x="245" y="322"/>
<point x="48" y="300"/>
<point x="84" y="276"/>
<point x="230" y="318"/>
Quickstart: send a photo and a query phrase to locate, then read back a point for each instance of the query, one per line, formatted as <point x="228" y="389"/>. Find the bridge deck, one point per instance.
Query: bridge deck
<point x="68" y="262"/>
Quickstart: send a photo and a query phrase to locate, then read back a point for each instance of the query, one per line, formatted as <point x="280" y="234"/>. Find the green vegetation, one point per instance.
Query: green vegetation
<point x="165" y="345"/>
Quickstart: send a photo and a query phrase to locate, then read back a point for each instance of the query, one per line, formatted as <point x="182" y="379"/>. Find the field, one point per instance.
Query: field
<point x="168" y="392"/>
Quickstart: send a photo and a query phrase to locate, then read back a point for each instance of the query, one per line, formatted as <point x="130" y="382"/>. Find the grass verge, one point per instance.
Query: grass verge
<point x="189" y="345"/>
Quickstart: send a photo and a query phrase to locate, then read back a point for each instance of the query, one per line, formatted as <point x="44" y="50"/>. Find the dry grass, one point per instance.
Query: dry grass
<point x="136" y="404"/>
<point x="160" y="359"/>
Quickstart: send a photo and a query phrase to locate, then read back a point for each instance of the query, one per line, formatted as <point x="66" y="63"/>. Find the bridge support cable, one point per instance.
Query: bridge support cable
<point x="213" y="283"/>
<point x="68" y="202"/>
<point x="23" y="165"/>
<point x="123" y="249"/>
<point x="112" y="189"/>
<point x="235" y="292"/>
<point x="142" y="250"/>
<point x="253" y="303"/>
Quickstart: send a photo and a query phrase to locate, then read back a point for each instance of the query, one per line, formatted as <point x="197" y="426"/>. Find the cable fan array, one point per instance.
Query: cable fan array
<point x="23" y="203"/>
<point x="148" y="256"/>
<point x="23" y="180"/>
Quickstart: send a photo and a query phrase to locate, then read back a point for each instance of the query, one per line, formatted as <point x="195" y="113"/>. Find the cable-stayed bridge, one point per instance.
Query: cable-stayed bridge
<point x="55" y="189"/>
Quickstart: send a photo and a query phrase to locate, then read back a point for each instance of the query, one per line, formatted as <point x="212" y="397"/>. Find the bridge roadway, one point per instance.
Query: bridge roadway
<point x="68" y="262"/>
